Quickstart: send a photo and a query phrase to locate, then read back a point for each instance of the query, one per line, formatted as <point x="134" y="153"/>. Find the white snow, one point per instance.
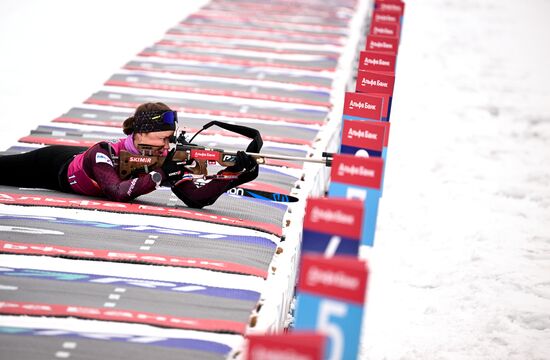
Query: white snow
<point x="461" y="264"/>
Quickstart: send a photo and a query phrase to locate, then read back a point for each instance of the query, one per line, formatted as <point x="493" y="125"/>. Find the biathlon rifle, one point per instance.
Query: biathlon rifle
<point x="196" y="157"/>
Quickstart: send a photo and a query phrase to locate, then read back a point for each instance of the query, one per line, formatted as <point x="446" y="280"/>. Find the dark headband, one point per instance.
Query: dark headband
<point x="158" y="120"/>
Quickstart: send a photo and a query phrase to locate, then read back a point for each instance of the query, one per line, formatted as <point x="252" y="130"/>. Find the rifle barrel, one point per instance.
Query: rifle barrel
<point x="326" y="160"/>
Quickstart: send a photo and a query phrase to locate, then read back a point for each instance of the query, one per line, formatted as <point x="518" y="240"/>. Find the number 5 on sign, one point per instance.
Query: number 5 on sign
<point x="327" y="310"/>
<point x="330" y="301"/>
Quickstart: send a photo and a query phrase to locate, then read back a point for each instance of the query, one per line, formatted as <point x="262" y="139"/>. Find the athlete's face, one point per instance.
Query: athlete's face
<point x="156" y="139"/>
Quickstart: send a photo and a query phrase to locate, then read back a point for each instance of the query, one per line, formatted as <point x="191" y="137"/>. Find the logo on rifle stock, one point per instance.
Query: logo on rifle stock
<point x="228" y="158"/>
<point x="204" y="154"/>
<point x="140" y="160"/>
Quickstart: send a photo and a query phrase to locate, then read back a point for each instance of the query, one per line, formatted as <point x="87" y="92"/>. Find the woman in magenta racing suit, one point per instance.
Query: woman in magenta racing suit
<point x="94" y="171"/>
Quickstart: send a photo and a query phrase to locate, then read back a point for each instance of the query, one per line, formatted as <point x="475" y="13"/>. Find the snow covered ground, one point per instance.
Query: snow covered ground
<point x="461" y="266"/>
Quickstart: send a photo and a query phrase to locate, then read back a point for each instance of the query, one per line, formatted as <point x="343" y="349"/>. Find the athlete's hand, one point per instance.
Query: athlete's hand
<point x="173" y="170"/>
<point x="242" y="162"/>
<point x="251" y="170"/>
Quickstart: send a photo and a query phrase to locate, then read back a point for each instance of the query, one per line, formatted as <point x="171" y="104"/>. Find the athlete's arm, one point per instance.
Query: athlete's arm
<point x="199" y="197"/>
<point x="98" y="163"/>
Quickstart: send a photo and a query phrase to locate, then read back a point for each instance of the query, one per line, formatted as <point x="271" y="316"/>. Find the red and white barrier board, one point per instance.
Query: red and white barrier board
<point x="331" y="295"/>
<point x="332" y="226"/>
<point x="295" y="345"/>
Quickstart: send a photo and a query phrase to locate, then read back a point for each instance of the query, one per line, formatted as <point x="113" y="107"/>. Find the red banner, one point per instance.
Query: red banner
<point x="384" y="29"/>
<point x="363" y="105"/>
<point x="374" y="83"/>
<point x="334" y="216"/>
<point x="355" y="170"/>
<point x="376" y="61"/>
<point x="385" y="17"/>
<point x="385" y="44"/>
<point x="394" y="6"/>
<point x="293" y="345"/>
<point x="364" y="134"/>
<point x="339" y="277"/>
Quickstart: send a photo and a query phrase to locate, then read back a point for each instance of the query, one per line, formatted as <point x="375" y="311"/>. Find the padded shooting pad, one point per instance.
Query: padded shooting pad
<point x="229" y="71"/>
<point x="283" y="133"/>
<point x="249" y="255"/>
<point x="228" y="210"/>
<point x="212" y="87"/>
<point x="296" y="115"/>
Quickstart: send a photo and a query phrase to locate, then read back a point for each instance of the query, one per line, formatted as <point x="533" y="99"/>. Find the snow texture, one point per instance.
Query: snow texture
<point x="461" y="264"/>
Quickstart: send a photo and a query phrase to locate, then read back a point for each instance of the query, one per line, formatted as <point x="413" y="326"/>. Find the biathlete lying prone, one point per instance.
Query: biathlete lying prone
<point x="95" y="171"/>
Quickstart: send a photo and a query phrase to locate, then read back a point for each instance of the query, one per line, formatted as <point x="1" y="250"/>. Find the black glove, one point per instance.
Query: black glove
<point x="172" y="169"/>
<point x="251" y="168"/>
<point x="242" y="162"/>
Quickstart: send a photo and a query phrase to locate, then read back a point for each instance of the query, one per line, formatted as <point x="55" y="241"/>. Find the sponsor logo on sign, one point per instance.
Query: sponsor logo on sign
<point x="373" y="82"/>
<point x="380" y="44"/>
<point x="361" y="105"/>
<point x="385" y="16"/>
<point x="375" y="61"/>
<point x="352" y="170"/>
<point x="360" y="134"/>
<point x="328" y="215"/>
<point x="382" y="30"/>
<point x="339" y="279"/>
<point x="390" y="7"/>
